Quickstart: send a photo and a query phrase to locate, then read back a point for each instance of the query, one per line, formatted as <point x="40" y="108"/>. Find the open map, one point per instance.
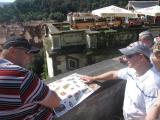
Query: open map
<point x="72" y="90"/>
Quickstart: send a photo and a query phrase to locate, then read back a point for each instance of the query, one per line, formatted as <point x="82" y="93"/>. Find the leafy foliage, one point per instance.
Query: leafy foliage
<point x="38" y="65"/>
<point x="24" y="10"/>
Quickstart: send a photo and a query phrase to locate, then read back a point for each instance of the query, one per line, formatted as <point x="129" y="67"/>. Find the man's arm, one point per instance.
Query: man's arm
<point x="111" y="75"/>
<point x="35" y="90"/>
<point x="154" y="111"/>
<point x="51" y="100"/>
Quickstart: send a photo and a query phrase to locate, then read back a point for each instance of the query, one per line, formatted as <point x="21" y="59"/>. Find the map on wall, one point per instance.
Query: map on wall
<point x="72" y="90"/>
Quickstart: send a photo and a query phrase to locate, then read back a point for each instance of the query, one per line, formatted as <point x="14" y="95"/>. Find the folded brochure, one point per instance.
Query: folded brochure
<point x="72" y="90"/>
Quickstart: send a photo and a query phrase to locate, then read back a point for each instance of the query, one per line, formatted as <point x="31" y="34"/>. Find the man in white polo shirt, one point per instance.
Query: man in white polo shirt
<point x="142" y="83"/>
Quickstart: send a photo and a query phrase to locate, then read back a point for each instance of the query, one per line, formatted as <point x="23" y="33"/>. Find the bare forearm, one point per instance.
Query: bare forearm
<point x="112" y="75"/>
<point x="51" y="101"/>
<point x="154" y="112"/>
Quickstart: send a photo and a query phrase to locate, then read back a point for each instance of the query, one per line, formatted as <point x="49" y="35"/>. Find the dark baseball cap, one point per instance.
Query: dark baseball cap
<point x="20" y="42"/>
<point x="136" y="47"/>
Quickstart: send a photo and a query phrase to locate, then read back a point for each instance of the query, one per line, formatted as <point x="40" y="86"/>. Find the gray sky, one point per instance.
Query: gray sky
<point x="7" y="0"/>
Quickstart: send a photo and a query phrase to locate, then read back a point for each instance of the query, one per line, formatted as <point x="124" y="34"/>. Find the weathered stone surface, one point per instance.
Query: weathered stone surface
<point x="104" y="104"/>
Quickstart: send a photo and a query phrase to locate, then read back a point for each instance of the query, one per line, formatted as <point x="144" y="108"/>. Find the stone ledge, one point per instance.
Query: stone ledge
<point x="105" y="103"/>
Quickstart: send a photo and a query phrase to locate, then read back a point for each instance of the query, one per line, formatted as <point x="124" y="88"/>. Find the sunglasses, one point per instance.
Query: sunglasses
<point x="130" y="56"/>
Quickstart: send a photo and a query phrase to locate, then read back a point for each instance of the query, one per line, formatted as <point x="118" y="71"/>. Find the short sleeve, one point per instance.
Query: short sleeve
<point x="122" y="73"/>
<point x="149" y="90"/>
<point x="32" y="88"/>
<point x="150" y="96"/>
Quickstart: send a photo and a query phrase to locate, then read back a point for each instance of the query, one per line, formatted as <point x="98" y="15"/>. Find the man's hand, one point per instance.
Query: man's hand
<point x="51" y="100"/>
<point x="87" y="79"/>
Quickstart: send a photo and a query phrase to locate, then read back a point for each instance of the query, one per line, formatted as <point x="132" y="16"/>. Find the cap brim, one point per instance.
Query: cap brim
<point x="126" y="51"/>
<point x="33" y="50"/>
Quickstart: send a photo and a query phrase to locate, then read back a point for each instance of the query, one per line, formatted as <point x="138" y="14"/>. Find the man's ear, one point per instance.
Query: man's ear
<point x="11" y="52"/>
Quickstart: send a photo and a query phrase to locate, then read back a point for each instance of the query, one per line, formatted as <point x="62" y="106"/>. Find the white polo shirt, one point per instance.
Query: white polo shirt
<point x="140" y="92"/>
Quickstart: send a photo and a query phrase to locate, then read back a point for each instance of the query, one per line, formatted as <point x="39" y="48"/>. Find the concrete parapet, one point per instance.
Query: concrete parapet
<point x="104" y="104"/>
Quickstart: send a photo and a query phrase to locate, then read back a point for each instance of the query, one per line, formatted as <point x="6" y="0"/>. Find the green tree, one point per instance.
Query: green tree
<point x="57" y="16"/>
<point x="38" y="65"/>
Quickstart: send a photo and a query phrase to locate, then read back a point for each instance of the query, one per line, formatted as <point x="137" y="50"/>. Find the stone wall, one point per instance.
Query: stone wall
<point x="104" y="104"/>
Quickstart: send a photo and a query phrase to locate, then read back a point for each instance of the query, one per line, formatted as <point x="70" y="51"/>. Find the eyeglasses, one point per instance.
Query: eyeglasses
<point x="130" y="56"/>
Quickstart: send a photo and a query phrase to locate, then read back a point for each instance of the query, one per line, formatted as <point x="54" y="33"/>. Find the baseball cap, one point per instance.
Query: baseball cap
<point x="156" y="47"/>
<point x="136" y="47"/>
<point x="146" y="35"/>
<point x="16" y="41"/>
